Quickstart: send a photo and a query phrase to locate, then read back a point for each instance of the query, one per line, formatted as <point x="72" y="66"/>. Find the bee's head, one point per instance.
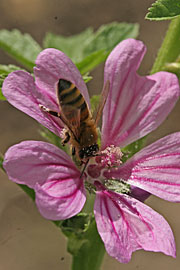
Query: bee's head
<point x="89" y="151"/>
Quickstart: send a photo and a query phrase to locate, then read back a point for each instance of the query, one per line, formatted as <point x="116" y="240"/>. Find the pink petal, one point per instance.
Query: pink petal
<point x="20" y="90"/>
<point x="126" y="225"/>
<point x="135" y="105"/>
<point x="32" y="162"/>
<point x="156" y="168"/>
<point x="62" y="198"/>
<point x="60" y="192"/>
<point x="53" y="65"/>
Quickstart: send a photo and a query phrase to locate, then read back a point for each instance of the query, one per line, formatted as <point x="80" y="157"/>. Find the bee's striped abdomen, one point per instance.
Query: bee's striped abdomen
<point x="68" y="94"/>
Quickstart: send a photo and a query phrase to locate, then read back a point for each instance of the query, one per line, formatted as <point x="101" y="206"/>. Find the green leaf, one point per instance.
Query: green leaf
<point x="91" y="61"/>
<point x="109" y="35"/>
<point x="84" y="242"/>
<point x="164" y="10"/>
<point x="72" y="46"/>
<point x="4" y="71"/>
<point x="100" y="44"/>
<point x="89" y="49"/>
<point x="22" y="47"/>
<point x="1" y="94"/>
<point x="1" y="162"/>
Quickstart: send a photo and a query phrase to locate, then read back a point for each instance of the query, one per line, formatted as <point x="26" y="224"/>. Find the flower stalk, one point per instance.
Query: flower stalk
<point x="170" y="48"/>
<point x="91" y="253"/>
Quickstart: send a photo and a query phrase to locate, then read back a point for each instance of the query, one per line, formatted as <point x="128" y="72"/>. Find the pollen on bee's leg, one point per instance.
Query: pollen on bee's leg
<point x="63" y="134"/>
<point x="110" y="157"/>
<point x="47" y="110"/>
<point x="43" y="108"/>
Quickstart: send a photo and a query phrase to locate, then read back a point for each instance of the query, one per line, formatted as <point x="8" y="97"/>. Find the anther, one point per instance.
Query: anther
<point x="110" y="157"/>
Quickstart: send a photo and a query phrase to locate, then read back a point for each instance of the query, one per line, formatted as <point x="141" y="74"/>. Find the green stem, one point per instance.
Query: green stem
<point x="170" y="48"/>
<point x="91" y="253"/>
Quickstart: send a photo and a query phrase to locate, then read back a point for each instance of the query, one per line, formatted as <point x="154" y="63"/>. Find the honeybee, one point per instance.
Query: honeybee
<point x="80" y="127"/>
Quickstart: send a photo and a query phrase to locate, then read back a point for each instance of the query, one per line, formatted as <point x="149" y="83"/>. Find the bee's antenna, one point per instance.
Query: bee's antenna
<point x="85" y="165"/>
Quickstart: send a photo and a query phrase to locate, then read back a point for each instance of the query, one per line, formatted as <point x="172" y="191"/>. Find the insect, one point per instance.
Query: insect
<point x="80" y="127"/>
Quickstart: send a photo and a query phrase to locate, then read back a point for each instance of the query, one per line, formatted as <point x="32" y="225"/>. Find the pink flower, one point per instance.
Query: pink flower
<point x="135" y="106"/>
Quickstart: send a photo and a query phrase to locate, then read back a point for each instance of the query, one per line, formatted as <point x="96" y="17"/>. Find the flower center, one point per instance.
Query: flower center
<point x="94" y="171"/>
<point x="110" y="157"/>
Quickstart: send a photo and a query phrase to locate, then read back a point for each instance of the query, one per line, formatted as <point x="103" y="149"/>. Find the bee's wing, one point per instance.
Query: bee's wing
<point x="71" y="118"/>
<point x="102" y="102"/>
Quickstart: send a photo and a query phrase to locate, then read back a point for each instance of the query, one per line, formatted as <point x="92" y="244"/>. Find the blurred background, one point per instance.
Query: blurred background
<point x="27" y="241"/>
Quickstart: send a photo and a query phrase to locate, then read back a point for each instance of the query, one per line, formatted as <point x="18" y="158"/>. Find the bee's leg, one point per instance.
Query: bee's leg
<point x="85" y="165"/>
<point x="66" y="138"/>
<point x="45" y="109"/>
<point x="82" y="163"/>
<point x="73" y="151"/>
